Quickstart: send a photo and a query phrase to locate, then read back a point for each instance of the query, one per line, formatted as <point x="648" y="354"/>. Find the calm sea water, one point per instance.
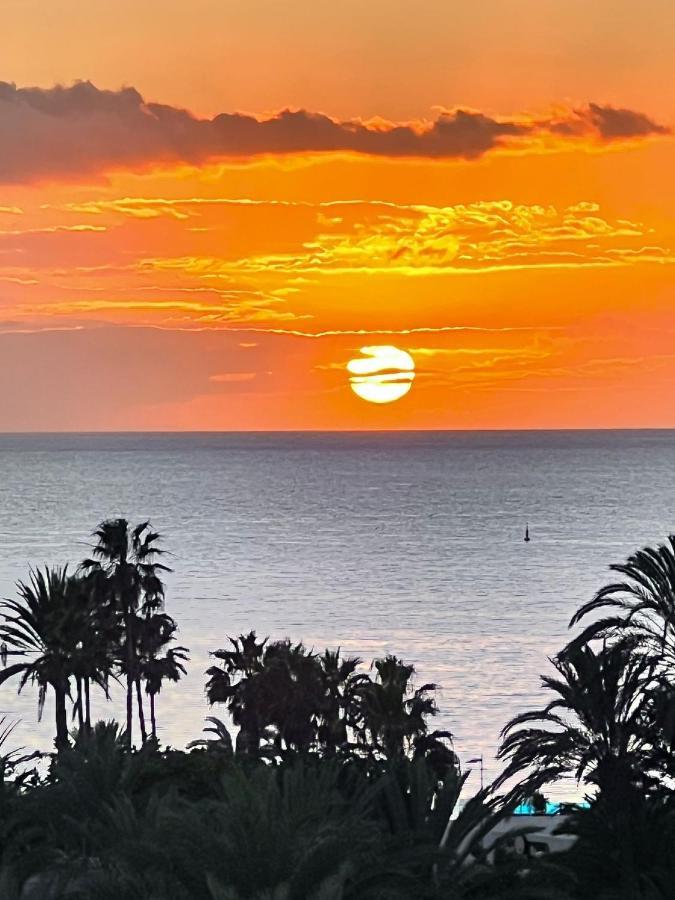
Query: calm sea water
<point x="410" y="543"/>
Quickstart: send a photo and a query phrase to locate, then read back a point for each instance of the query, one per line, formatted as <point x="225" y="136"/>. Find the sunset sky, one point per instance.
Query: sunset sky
<point x="208" y="208"/>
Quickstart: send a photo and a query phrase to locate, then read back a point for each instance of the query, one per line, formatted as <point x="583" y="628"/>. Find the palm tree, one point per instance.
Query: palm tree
<point x="393" y="713"/>
<point x="593" y="728"/>
<point x="642" y="603"/>
<point x="442" y="848"/>
<point x="41" y="625"/>
<point x="297" y="701"/>
<point x="598" y="728"/>
<point x="221" y="743"/>
<point x="155" y="632"/>
<point x="234" y="683"/>
<point x="125" y="571"/>
<point x="293" y="690"/>
<point x="274" y="691"/>
<point x="340" y="710"/>
<point x="283" y="832"/>
<point x="96" y="637"/>
<point x="606" y="864"/>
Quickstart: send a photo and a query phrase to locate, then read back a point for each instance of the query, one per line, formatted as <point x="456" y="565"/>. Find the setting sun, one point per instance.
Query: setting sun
<point x="386" y="374"/>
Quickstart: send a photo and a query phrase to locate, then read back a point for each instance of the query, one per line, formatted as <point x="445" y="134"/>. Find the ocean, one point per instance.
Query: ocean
<point x="408" y="543"/>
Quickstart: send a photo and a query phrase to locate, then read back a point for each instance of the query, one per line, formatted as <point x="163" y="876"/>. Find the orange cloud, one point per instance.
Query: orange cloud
<point x="424" y="240"/>
<point x="232" y="377"/>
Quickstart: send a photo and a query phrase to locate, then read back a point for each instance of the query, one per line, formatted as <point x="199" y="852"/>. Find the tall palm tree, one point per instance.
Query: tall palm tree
<point x="96" y="638"/>
<point x="41" y="624"/>
<point x="125" y="570"/>
<point x="593" y="728"/>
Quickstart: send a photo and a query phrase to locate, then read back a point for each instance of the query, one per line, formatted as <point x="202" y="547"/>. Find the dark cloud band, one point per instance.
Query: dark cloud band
<point x="79" y="131"/>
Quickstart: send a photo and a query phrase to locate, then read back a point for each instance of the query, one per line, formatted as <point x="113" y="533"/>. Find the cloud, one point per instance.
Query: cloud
<point x="427" y="240"/>
<point x="128" y="275"/>
<point x="51" y="229"/>
<point x="232" y="310"/>
<point x="230" y="377"/>
<point x="615" y="124"/>
<point x="82" y="131"/>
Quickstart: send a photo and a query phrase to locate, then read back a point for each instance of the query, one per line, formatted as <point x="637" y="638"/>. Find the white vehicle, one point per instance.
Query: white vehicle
<point x="542" y="839"/>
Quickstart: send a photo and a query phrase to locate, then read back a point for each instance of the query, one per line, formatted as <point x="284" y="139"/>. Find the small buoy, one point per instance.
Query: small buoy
<point x="527" y="534"/>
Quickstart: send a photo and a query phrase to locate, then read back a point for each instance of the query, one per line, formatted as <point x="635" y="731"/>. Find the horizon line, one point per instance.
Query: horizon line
<point x="242" y="431"/>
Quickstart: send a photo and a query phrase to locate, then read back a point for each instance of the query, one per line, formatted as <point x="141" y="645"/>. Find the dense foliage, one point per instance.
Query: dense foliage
<point x="610" y="722"/>
<point x="321" y="779"/>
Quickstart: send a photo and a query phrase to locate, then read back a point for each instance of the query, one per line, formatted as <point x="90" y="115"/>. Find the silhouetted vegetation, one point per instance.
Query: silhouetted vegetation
<point x="320" y="778"/>
<point x="610" y="722"/>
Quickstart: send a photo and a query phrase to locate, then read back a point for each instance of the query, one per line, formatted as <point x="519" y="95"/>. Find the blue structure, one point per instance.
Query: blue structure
<point x="552" y="809"/>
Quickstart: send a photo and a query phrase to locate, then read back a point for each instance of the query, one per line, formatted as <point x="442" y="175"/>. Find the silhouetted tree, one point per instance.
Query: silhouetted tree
<point x="393" y="721"/>
<point x="157" y="661"/>
<point x="95" y="638"/>
<point x="594" y="727"/>
<point x="125" y="571"/>
<point x="340" y="713"/>
<point x="641" y="611"/>
<point x="235" y="684"/>
<point x="642" y="603"/>
<point x="42" y="624"/>
<point x="285" y="698"/>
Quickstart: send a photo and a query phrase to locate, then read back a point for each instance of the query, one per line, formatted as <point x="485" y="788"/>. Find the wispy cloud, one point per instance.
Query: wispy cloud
<point x="232" y="377"/>
<point x="425" y="240"/>
<point x="238" y="310"/>
<point x="51" y="229"/>
<point x="274" y="266"/>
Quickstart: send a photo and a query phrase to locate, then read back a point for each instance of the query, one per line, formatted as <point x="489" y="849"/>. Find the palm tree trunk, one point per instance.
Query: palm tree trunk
<point x="248" y="739"/>
<point x="130" y="707"/>
<point x="141" y="714"/>
<point x="153" y="722"/>
<point x="61" y="717"/>
<point x="87" y="706"/>
<point x="78" y="704"/>
<point x="130" y="676"/>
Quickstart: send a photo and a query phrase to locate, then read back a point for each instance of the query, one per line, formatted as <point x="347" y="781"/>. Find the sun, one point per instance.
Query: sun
<point x="382" y="375"/>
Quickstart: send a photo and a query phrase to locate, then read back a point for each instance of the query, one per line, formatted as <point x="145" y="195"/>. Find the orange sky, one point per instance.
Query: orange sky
<point x="491" y="189"/>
